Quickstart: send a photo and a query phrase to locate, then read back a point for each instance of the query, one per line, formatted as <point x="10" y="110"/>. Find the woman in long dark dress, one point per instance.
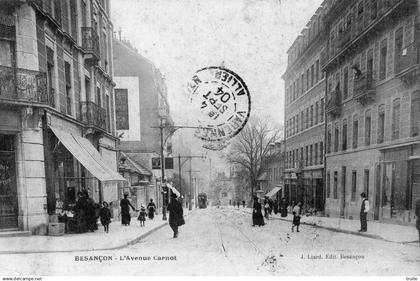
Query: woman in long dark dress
<point x="175" y="214"/>
<point x="80" y="210"/>
<point x="257" y="217"/>
<point x="283" y="207"/>
<point x="151" y="208"/>
<point x="125" y="210"/>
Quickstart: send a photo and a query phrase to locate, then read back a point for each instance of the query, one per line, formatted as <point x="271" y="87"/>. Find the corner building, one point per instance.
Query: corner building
<point x="57" y="128"/>
<point x="304" y="116"/>
<point x="373" y="108"/>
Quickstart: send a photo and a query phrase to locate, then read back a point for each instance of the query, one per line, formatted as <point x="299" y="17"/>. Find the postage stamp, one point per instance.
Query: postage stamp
<point x="222" y="102"/>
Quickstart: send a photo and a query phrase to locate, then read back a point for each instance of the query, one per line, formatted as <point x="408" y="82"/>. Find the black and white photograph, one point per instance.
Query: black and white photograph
<point x="209" y="138"/>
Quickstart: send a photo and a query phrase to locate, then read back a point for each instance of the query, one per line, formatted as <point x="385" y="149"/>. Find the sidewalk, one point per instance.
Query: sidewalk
<point x="119" y="236"/>
<point x="376" y="230"/>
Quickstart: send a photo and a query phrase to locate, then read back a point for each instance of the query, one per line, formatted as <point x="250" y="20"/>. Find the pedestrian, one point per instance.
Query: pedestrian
<point x="276" y="206"/>
<point x="283" y="207"/>
<point x="243" y="203"/>
<point x="364" y="209"/>
<point x="142" y="216"/>
<point x="80" y="210"/>
<point x="270" y="204"/>
<point x="257" y="217"/>
<point x="238" y="203"/>
<point x="296" y="216"/>
<point x="91" y="218"/>
<point x="125" y="210"/>
<point x="105" y="216"/>
<point x="176" y="217"/>
<point x="417" y="211"/>
<point x="151" y="208"/>
<point x="266" y="208"/>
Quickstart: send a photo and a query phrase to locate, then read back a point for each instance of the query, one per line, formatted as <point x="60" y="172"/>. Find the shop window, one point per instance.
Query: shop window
<point x="353" y="185"/>
<point x="396" y="119"/>
<point x="344" y="136"/>
<point x="381" y="123"/>
<point x="367" y="127"/>
<point x="382" y="59"/>
<point x="415" y="113"/>
<point x="335" y="185"/>
<point x="355" y="131"/>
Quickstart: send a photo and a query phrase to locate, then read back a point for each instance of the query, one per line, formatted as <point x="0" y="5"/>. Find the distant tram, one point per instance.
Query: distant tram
<point x="202" y="200"/>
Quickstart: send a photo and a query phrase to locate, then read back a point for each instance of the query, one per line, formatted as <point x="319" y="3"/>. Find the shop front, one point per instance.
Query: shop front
<point x="313" y="190"/>
<point x="8" y="188"/>
<point x="399" y="179"/>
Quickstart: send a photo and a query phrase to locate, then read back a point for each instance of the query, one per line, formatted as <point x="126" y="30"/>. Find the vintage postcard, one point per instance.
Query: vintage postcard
<point x="212" y="138"/>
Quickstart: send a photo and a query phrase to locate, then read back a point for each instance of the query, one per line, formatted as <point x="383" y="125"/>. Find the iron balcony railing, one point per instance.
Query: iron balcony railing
<point x="333" y="106"/>
<point x="344" y="38"/>
<point x="23" y="85"/>
<point x="93" y="115"/>
<point x="363" y="87"/>
<point x="90" y="42"/>
<point x="409" y="56"/>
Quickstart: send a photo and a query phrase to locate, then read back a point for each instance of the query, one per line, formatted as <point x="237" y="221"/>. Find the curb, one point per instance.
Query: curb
<point x="367" y="235"/>
<point x="131" y="242"/>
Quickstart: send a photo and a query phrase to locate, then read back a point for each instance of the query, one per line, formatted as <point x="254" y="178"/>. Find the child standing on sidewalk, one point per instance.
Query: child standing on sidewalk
<point x="142" y="216"/>
<point x="105" y="216"/>
<point x="296" y="216"/>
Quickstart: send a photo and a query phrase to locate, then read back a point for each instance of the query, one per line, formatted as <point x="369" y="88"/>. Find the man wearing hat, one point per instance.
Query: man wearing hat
<point x="176" y="217"/>
<point x="364" y="209"/>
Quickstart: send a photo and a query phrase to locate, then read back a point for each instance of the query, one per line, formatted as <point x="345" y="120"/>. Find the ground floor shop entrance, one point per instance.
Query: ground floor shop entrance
<point x="8" y="188"/>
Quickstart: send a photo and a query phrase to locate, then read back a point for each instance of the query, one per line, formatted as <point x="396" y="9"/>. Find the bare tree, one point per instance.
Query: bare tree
<point x="250" y="146"/>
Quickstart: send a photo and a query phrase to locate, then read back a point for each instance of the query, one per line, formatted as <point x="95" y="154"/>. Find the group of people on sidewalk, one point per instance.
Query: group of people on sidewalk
<point x="125" y="205"/>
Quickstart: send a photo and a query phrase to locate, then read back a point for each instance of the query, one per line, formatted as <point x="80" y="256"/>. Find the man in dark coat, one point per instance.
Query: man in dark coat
<point x="364" y="209"/>
<point x="80" y="210"/>
<point x="257" y="217"/>
<point x="176" y="216"/>
<point x="151" y="208"/>
<point x="283" y="207"/>
<point x="125" y="210"/>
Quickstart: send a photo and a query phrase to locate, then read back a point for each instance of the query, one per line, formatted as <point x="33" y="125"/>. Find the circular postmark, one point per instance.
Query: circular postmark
<point x="221" y="102"/>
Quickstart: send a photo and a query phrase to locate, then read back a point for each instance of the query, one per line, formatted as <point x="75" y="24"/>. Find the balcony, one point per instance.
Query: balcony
<point x="364" y="90"/>
<point x="90" y="45"/>
<point x="407" y="60"/>
<point x="333" y="106"/>
<point x="93" y="115"/>
<point x="23" y="86"/>
<point x="344" y="38"/>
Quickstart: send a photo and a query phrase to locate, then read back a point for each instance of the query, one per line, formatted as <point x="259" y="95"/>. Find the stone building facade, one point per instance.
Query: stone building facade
<point x="304" y="116"/>
<point x="57" y="132"/>
<point x="373" y="108"/>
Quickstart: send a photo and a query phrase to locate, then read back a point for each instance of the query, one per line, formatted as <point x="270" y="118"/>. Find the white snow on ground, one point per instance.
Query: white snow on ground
<point x="223" y="242"/>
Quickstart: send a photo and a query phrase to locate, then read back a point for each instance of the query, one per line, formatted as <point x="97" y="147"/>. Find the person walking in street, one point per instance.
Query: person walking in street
<point x="80" y="210"/>
<point x="364" y="209"/>
<point x="125" y="205"/>
<point x="296" y="216"/>
<point x="105" y="216"/>
<point x="91" y="218"/>
<point x="283" y="208"/>
<point x="266" y="208"/>
<point x="142" y="216"/>
<point x="176" y="216"/>
<point x="417" y="211"/>
<point x="243" y="203"/>
<point x="257" y="217"/>
<point x="276" y="206"/>
<point x="151" y="208"/>
<point x="270" y="205"/>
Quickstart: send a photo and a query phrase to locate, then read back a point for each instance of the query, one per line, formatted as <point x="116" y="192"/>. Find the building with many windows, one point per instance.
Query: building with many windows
<point x="373" y="107"/>
<point x="304" y="116"/>
<point x="57" y="129"/>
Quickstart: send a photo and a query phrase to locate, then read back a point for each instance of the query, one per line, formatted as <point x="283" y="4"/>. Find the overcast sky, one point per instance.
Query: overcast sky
<point x="251" y="37"/>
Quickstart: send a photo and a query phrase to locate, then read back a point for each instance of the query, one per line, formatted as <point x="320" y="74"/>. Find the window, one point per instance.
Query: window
<point x="297" y="123"/>
<point x="355" y="131"/>
<point x="396" y="119"/>
<point x="307" y="118"/>
<point x="312" y="116"/>
<point x="301" y="83"/>
<point x="302" y="121"/>
<point x="382" y="60"/>
<point x="329" y="139"/>
<point x="322" y="111"/>
<point x="98" y="96"/>
<point x="335" y="185"/>
<point x="398" y="46"/>
<point x="67" y="74"/>
<point x="353" y="185"/>
<point x="344" y="136"/>
<point x="312" y="75"/>
<point x="321" y="153"/>
<point x="381" y="123"/>
<point x="316" y="113"/>
<point x="317" y="71"/>
<point x="415" y="113"/>
<point x="368" y="122"/>
<point x="345" y="83"/>
<point x="373" y="9"/>
<point x="316" y="154"/>
<point x="306" y="155"/>
<point x="336" y="137"/>
<point x="328" y="185"/>
<point x="343" y="180"/>
<point x="311" y="154"/>
<point x="366" y="183"/>
<point x="308" y="79"/>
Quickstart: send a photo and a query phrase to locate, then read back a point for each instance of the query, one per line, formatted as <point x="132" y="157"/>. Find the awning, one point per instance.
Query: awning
<point x="273" y="191"/>
<point x="83" y="150"/>
<point x="174" y="190"/>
